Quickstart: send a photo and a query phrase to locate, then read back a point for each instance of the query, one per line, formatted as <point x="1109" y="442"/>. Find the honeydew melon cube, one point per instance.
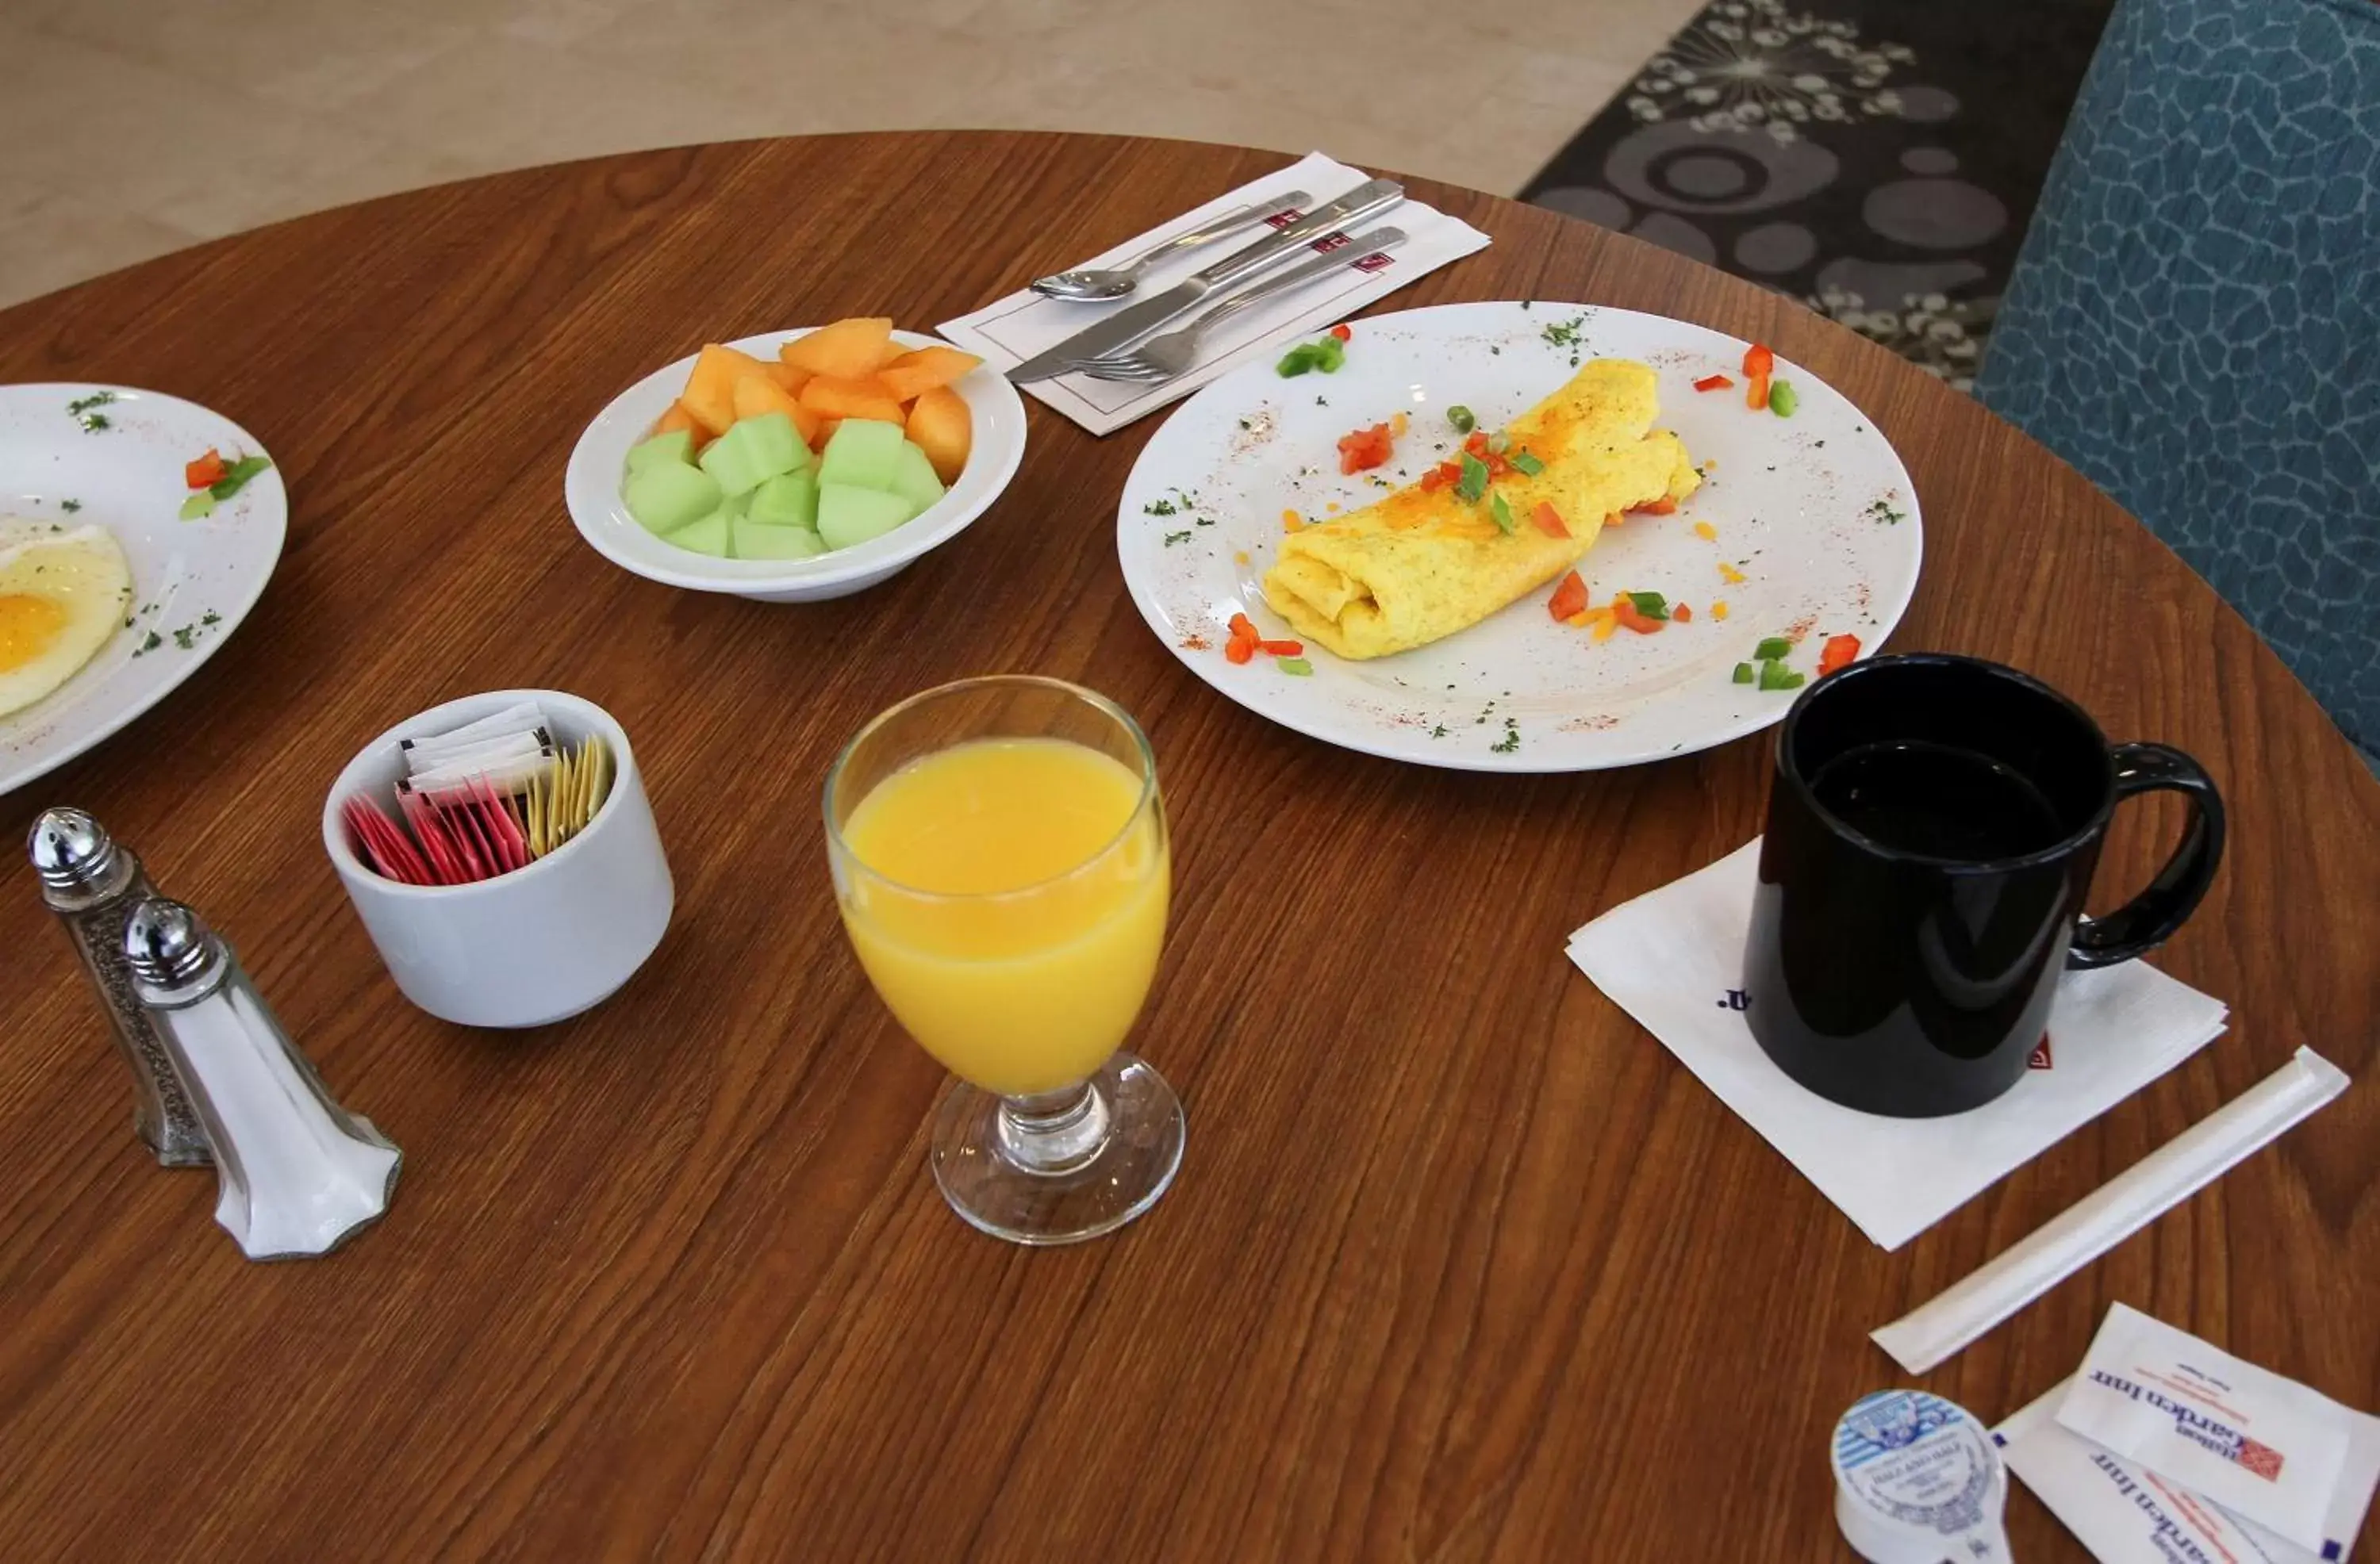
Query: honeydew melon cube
<point x="863" y="453"/>
<point x="754" y="450"/>
<point x="848" y="513"/>
<point x="665" y="496"/>
<point x="707" y="536"/>
<point x="677" y="446"/>
<point x="757" y="539"/>
<point x="788" y="500"/>
<point x="913" y="475"/>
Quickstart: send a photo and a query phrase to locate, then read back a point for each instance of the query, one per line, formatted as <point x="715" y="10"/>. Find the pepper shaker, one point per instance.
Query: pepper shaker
<point x="298" y="1174"/>
<point x="91" y="883"/>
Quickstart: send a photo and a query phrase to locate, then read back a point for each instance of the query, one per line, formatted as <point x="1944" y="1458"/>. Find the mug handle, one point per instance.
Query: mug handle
<point x="2151" y="918"/>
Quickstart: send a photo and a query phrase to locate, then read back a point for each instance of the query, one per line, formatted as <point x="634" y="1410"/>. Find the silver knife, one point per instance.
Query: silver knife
<point x="1134" y="322"/>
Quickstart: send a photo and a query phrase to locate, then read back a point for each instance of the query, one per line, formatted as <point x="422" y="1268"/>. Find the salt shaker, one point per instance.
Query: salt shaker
<point x="298" y="1173"/>
<point x="92" y="883"/>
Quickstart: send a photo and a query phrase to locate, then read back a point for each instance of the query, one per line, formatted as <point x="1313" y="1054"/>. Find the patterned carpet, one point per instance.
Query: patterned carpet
<point x="1878" y="159"/>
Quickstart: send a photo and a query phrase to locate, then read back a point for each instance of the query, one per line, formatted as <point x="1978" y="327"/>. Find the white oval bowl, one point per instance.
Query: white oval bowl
<point x="591" y="488"/>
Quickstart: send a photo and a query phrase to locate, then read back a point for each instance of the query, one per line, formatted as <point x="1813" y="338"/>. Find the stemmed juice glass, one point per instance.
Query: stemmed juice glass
<point x="1001" y="859"/>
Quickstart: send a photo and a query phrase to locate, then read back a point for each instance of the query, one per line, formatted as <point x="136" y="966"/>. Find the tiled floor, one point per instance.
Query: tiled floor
<point x="129" y="127"/>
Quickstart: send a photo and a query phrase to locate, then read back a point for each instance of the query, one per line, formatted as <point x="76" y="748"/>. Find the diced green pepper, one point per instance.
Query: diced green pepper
<point x="1743" y="674"/>
<point x="1461" y="418"/>
<point x="1774" y="675"/>
<point x="1782" y="399"/>
<point x="1471" y="487"/>
<point x="1524" y="463"/>
<point x="1771" y="649"/>
<point x="1652" y="605"/>
<point x="1297" y="667"/>
<point x="1501" y="515"/>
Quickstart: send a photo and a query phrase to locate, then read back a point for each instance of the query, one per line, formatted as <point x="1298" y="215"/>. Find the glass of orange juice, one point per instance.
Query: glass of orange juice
<point x="1000" y="858"/>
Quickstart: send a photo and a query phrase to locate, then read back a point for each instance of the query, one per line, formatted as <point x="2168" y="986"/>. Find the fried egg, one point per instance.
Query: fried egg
<point x="63" y="594"/>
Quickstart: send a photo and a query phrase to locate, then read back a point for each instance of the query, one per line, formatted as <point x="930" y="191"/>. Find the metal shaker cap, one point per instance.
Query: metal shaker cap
<point x="166" y="942"/>
<point x="68" y="848"/>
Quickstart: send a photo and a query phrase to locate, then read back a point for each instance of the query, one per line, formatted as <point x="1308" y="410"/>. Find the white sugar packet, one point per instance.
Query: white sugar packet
<point x="2121" y="1512"/>
<point x="1673" y="958"/>
<point x="1009" y="331"/>
<point x="2262" y="1446"/>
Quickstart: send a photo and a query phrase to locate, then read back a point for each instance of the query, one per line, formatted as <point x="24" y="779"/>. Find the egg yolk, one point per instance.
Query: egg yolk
<point x="27" y="627"/>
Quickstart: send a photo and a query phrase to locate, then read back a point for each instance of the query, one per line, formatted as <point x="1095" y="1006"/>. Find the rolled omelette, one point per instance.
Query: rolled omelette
<point x="1422" y="564"/>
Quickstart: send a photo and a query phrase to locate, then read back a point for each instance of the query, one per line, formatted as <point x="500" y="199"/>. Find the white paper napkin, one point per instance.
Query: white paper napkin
<point x="1673" y="959"/>
<point x="1014" y="329"/>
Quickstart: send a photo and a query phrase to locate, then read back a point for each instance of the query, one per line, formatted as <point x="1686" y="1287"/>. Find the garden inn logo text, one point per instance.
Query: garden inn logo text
<point x="2200" y="1429"/>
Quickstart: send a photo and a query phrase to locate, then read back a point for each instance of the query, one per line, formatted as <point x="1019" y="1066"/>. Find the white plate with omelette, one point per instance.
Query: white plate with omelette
<point x="1802" y="527"/>
<point x="108" y="598"/>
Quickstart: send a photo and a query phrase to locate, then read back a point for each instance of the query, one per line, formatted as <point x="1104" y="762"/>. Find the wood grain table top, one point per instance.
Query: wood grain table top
<point x="1462" y="1264"/>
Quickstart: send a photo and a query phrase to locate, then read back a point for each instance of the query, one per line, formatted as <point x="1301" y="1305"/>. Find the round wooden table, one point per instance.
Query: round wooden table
<point x="1461" y="1263"/>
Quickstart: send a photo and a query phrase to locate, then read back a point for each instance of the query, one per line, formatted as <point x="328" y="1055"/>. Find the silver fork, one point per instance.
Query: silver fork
<point x="1164" y="357"/>
<point x="1087" y="284"/>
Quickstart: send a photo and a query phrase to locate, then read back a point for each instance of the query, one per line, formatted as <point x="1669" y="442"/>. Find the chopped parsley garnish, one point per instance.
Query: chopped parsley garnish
<point x="1882" y="511"/>
<point x="82" y="405"/>
<point x="1510" y="742"/>
<point x="211" y="618"/>
<point x="1438" y="731"/>
<point x="1181" y="537"/>
<point x="186" y="637"/>
<point x="70" y="506"/>
<point x="1160" y="507"/>
<point x="1565" y="333"/>
<point x="149" y="642"/>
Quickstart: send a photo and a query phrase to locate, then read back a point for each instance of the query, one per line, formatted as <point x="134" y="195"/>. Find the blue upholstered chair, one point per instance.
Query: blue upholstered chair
<point x="2194" y="322"/>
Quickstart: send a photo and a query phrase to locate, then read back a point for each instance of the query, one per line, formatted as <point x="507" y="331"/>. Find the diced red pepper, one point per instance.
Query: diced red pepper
<point x="1662" y="506"/>
<point x="1755" y="394"/>
<point x="1282" y="648"/>
<point x="1623" y="608"/>
<point x="1758" y="362"/>
<point x="1681" y="615"/>
<point x="206" y="472"/>
<point x="1436" y="478"/>
<point x="1366" y="449"/>
<point x="1837" y="653"/>
<point x="1569" y="596"/>
<point x="1244" y="629"/>
<point x="1340" y="332"/>
<point x="1238" y="651"/>
<point x="1477" y="443"/>
<point x="1550" y="523"/>
<point x="1713" y="382"/>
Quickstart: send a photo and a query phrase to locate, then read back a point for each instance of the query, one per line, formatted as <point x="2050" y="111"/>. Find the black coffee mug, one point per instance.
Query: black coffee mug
<point x="1932" y="830"/>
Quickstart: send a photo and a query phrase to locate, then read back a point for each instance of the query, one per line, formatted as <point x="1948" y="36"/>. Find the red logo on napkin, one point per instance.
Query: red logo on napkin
<point x="2040" y="1060"/>
<point x="2262" y="1460"/>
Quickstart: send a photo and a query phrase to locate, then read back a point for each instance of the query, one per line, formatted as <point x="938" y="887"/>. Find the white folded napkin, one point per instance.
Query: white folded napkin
<point x="1673" y="959"/>
<point x="1014" y="329"/>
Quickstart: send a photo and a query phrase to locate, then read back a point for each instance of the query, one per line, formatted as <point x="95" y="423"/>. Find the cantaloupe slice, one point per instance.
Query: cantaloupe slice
<point x="836" y="396"/>
<point x="944" y="429"/>
<point x="849" y="348"/>
<point x="787" y="375"/>
<point x="912" y="374"/>
<point x="710" y="390"/>
<point x="676" y="419"/>
<point x="755" y="394"/>
<point x="826" y="433"/>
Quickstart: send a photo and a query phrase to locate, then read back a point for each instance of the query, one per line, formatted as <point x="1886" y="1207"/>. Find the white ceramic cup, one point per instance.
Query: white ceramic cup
<point x="538" y="944"/>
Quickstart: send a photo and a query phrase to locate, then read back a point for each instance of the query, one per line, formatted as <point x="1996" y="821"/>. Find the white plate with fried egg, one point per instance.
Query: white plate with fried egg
<point x="108" y="598"/>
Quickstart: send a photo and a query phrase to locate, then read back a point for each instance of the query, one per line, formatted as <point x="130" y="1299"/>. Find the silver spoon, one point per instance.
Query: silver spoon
<point x="1089" y="286"/>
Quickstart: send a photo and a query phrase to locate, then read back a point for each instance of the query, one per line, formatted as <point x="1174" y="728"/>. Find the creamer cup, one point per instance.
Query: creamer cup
<point x="1918" y="1481"/>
